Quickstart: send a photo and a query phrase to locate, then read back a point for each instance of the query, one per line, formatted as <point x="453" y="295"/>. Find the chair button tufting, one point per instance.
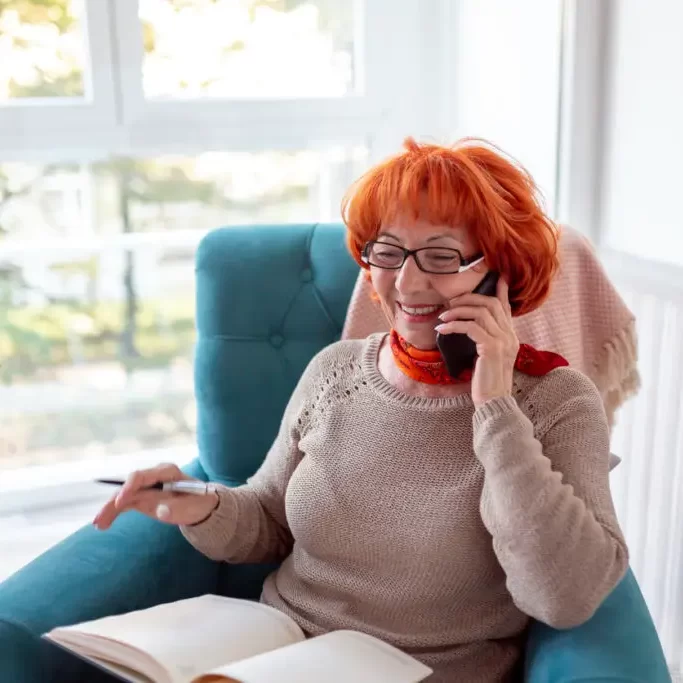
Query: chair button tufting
<point x="277" y="340"/>
<point x="306" y="275"/>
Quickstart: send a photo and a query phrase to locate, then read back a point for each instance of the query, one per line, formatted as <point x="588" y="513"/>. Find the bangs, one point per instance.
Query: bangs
<point x="463" y="186"/>
<point x="431" y="187"/>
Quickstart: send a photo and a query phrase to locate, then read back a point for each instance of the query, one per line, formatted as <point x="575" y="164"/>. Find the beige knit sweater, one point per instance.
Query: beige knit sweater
<point x="434" y="526"/>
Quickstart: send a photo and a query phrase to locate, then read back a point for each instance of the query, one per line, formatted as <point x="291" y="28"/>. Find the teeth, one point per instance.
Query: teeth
<point x="420" y="310"/>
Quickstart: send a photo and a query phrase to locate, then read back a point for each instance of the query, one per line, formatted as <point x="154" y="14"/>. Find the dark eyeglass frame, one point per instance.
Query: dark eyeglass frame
<point x="465" y="264"/>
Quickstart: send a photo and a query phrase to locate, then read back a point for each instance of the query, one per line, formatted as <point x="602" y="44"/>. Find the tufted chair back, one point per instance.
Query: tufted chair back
<point x="268" y="299"/>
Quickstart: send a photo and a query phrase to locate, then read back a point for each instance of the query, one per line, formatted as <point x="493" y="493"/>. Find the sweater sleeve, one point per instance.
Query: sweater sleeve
<point x="547" y="502"/>
<point x="250" y="523"/>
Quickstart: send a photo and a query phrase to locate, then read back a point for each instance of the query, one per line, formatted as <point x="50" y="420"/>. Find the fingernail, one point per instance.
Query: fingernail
<point x="439" y="328"/>
<point x="163" y="511"/>
<point x="442" y="315"/>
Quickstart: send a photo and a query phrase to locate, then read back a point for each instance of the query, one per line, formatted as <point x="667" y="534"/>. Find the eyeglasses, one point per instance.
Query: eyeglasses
<point x="436" y="260"/>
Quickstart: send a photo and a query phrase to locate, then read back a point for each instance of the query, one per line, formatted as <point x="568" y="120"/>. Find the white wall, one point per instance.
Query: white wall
<point x="643" y="172"/>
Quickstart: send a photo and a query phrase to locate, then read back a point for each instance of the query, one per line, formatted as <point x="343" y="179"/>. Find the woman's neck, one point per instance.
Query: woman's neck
<point x="392" y="374"/>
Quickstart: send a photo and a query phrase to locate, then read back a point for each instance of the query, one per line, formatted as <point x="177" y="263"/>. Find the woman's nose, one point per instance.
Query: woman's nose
<point x="410" y="278"/>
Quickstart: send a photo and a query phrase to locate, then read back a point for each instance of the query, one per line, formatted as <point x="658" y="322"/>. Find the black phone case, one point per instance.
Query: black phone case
<point x="458" y="350"/>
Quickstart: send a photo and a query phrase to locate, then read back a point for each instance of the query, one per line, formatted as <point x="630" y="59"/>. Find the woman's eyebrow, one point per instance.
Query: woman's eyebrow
<point x="449" y="235"/>
<point x="433" y="238"/>
<point x="389" y="235"/>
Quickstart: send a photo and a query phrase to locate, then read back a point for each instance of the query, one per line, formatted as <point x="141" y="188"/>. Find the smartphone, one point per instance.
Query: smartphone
<point x="457" y="349"/>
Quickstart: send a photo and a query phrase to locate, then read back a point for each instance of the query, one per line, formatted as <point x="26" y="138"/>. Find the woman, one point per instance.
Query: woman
<point x="438" y="513"/>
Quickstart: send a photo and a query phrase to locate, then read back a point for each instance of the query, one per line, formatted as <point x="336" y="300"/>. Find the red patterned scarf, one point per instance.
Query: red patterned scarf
<point x="429" y="366"/>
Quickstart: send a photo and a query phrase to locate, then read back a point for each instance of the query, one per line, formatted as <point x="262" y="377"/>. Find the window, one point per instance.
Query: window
<point x="97" y="288"/>
<point x="129" y="128"/>
<point x="229" y="49"/>
<point x="42" y="50"/>
<point x="56" y="73"/>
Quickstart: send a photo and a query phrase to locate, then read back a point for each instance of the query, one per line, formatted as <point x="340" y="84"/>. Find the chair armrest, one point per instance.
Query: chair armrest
<point x="136" y="564"/>
<point x="618" y="644"/>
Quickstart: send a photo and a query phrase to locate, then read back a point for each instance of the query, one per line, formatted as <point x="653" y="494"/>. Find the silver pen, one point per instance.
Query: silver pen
<point x="193" y="488"/>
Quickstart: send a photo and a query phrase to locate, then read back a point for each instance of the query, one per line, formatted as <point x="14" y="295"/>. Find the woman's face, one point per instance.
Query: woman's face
<point x="412" y="299"/>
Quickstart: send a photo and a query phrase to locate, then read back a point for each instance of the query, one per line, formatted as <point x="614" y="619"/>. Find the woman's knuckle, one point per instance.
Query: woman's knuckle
<point x="170" y="469"/>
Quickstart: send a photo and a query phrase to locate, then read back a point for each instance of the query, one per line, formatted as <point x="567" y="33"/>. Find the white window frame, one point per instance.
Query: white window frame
<point x="115" y="118"/>
<point x="36" y="123"/>
<point x="202" y="121"/>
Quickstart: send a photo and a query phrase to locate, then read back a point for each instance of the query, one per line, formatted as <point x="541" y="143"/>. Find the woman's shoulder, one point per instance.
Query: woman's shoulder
<point x="339" y="352"/>
<point x="565" y="380"/>
<point x="333" y="375"/>
<point x="339" y="359"/>
<point x="561" y="390"/>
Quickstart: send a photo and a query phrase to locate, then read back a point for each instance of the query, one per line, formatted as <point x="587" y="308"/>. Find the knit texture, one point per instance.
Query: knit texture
<point x="434" y="526"/>
<point x="584" y="319"/>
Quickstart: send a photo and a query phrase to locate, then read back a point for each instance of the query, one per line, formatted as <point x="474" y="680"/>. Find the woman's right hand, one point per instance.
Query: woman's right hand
<point x="173" y="508"/>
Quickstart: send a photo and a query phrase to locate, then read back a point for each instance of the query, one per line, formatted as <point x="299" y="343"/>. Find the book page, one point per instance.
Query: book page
<point x="338" y="657"/>
<point x="187" y="637"/>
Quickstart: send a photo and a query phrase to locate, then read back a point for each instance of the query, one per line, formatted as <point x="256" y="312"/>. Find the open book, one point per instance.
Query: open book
<point x="213" y="639"/>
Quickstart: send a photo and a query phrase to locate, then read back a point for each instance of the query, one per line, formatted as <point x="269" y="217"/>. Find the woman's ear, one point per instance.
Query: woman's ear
<point x="373" y="293"/>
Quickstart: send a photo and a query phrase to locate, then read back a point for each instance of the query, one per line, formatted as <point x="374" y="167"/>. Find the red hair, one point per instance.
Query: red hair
<point x="470" y="184"/>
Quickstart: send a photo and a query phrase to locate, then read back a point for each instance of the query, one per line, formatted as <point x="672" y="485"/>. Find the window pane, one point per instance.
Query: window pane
<point x="97" y="289"/>
<point x="248" y="48"/>
<point x="42" y="51"/>
<point x="508" y="80"/>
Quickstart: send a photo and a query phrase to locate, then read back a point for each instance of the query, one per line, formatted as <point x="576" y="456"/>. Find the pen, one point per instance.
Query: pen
<point x="196" y="488"/>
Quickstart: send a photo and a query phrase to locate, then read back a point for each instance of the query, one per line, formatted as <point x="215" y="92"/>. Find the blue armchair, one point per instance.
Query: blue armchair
<point x="268" y="298"/>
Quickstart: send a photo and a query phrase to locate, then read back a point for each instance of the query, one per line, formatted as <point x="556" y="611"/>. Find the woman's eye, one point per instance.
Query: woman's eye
<point x="442" y="258"/>
<point x="387" y="255"/>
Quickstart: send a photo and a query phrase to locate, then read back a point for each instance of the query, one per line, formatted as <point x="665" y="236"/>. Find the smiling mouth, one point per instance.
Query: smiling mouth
<point x="420" y="310"/>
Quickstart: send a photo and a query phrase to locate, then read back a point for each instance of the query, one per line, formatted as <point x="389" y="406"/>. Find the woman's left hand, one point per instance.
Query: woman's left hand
<point x="487" y="321"/>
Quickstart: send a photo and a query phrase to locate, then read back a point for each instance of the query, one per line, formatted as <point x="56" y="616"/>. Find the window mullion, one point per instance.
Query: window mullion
<point x="100" y="74"/>
<point x="128" y="53"/>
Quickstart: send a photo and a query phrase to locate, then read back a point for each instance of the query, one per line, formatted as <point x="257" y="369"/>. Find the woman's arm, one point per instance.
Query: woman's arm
<point x="249" y="523"/>
<point x="547" y="503"/>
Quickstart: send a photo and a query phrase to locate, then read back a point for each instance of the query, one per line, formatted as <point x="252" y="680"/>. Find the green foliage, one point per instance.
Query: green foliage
<point x="148" y="181"/>
<point x="149" y="39"/>
<point x="34" y="340"/>
<point x="56" y="12"/>
<point x="49" y="85"/>
<point x="47" y="82"/>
